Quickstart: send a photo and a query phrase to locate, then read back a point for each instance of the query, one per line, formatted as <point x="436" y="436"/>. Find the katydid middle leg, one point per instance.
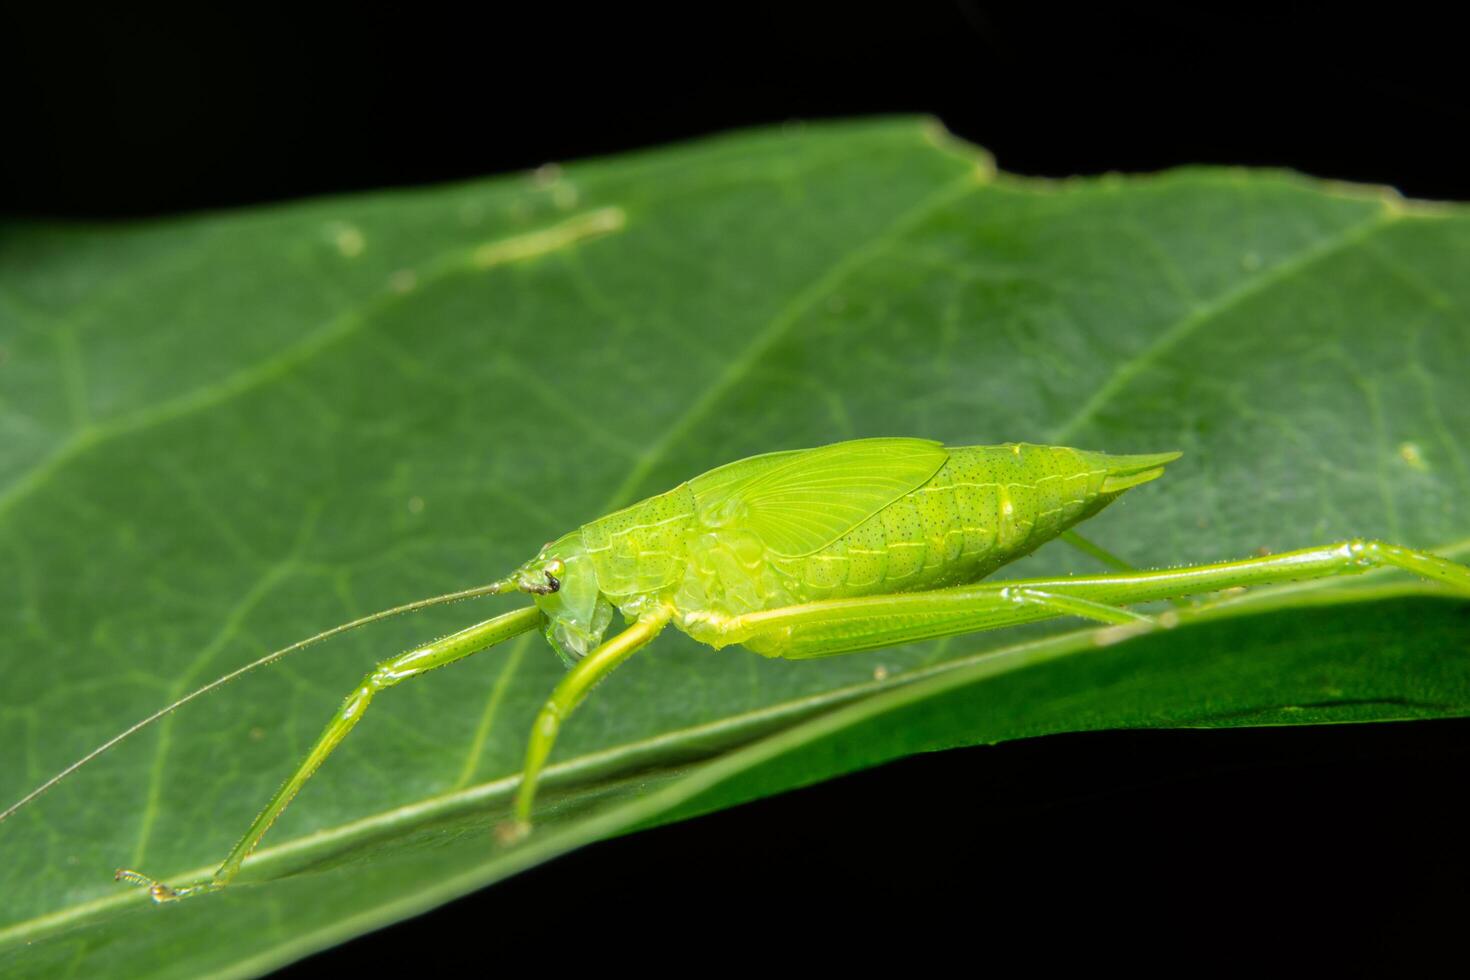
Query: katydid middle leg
<point x="441" y="652"/>
<point x="825" y="628"/>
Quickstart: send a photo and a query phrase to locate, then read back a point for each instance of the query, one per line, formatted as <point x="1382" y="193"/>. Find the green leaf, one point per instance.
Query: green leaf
<point x="219" y="434"/>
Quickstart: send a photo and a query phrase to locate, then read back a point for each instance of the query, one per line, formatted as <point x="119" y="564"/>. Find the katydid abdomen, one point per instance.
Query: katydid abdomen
<point x="984" y="508"/>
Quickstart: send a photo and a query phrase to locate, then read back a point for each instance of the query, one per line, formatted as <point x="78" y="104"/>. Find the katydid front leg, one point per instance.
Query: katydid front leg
<point x="454" y="647"/>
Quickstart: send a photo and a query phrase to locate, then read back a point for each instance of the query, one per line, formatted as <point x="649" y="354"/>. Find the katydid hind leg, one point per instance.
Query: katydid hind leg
<point x="838" y="626"/>
<point x="390" y="672"/>
<point x="1058" y="603"/>
<point x="1096" y="551"/>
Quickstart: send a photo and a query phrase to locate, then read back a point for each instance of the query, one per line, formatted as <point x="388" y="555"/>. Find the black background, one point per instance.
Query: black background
<point x="129" y="113"/>
<point x="1343" y="846"/>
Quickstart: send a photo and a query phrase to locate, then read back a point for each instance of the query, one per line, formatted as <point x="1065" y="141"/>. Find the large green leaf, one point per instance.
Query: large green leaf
<point x="221" y="433"/>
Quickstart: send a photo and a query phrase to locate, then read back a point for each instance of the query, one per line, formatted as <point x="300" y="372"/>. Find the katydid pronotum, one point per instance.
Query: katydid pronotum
<point x="801" y="554"/>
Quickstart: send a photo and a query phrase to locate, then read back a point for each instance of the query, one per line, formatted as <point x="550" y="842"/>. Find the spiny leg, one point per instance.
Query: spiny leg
<point x="1061" y="604"/>
<point x="836" y="626"/>
<point x="1094" y="550"/>
<point x="569" y="692"/>
<point x="457" y="646"/>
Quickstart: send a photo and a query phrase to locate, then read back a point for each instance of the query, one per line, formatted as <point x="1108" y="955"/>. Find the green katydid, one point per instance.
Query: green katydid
<point x="801" y="554"/>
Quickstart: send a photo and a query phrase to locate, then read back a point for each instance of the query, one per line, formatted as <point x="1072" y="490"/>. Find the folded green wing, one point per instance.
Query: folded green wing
<point x="798" y="503"/>
<point x="718" y="483"/>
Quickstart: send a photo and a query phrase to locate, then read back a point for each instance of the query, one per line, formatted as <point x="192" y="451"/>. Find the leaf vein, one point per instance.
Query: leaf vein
<point x="344" y="325"/>
<point x="1184" y="327"/>
<point x="780" y="325"/>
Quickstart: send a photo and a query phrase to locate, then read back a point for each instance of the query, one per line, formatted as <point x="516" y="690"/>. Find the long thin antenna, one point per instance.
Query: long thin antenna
<point x="438" y="600"/>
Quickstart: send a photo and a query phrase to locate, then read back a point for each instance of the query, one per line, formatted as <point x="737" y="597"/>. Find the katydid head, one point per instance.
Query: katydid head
<point x="563" y="582"/>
